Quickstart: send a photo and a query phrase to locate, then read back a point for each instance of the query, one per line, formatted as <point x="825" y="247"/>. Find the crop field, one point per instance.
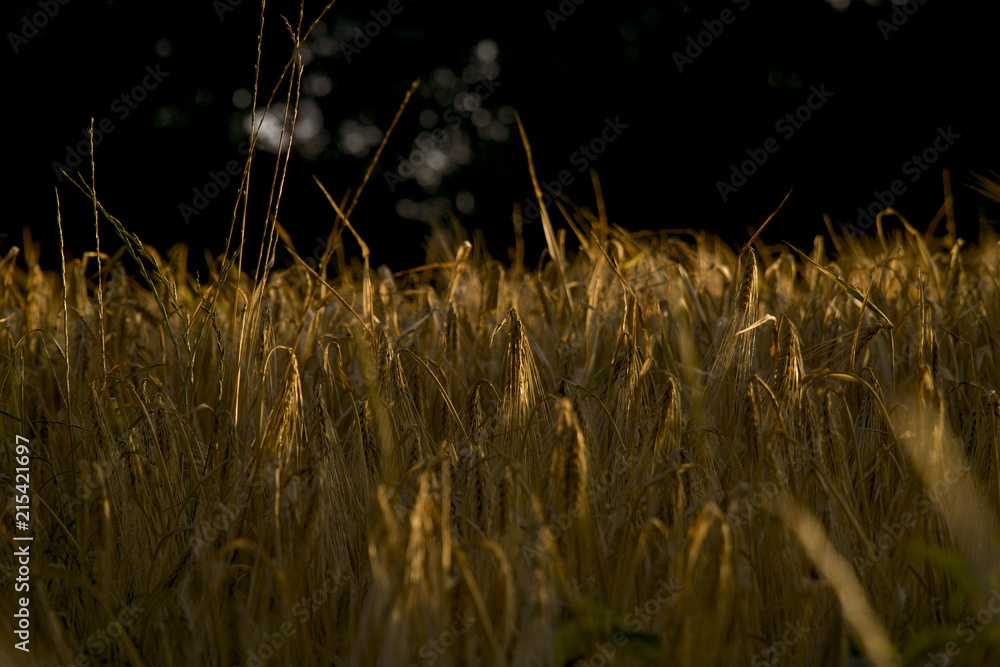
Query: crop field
<point x="646" y="448"/>
<point x="652" y="449"/>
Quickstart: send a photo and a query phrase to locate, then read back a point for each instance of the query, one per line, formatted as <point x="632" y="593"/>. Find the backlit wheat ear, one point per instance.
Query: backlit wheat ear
<point x="667" y="436"/>
<point x="264" y="387"/>
<point x="471" y="477"/>
<point x="736" y="347"/>
<point x="370" y="449"/>
<point x="772" y="428"/>
<point x="865" y="336"/>
<point x="570" y="459"/>
<point x="752" y="437"/>
<point x="813" y="430"/>
<point x="744" y="314"/>
<point x="578" y="542"/>
<point x="318" y="415"/>
<point x="622" y="396"/>
<point x="283" y="432"/>
<point x="395" y="394"/>
<point x="506" y="502"/>
<point x="475" y="414"/>
<point x="786" y="378"/>
<point x="847" y="352"/>
<point x="709" y="559"/>
<point x="520" y="394"/>
<point x="870" y="428"/>
<point x="878" y="470"/>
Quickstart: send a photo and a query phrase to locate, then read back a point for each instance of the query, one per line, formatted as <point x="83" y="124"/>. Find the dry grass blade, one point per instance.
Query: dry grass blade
<point x="761" y="228"/>
<point x="381" y="146"/>
<point x="988" y="186"/>
<point x="444" y="392"/>
<point x="367" y="309"/>
<point x="555" y="249"/>
<point x="944" y="468"/>
<point x="854" y="602"/>
<point x="847" y="287"/>
<point x="97" y="240"/>
<point x="364" y="322"/>
<point x="863" y="299"/>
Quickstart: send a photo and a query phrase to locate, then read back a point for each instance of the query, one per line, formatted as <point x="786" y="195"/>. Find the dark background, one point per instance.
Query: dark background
<point x="605" y="60"/>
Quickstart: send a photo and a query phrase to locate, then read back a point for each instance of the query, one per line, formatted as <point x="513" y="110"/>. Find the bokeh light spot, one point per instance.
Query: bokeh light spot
<point x="242" y="98"/>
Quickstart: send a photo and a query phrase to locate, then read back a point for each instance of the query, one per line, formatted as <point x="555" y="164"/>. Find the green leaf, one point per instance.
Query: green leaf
<point x="581" y="637"/>
<point x="668" y="355"/>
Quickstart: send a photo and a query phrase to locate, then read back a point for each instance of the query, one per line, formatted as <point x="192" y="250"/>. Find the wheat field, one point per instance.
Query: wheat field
<point x="649" y="448"/>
